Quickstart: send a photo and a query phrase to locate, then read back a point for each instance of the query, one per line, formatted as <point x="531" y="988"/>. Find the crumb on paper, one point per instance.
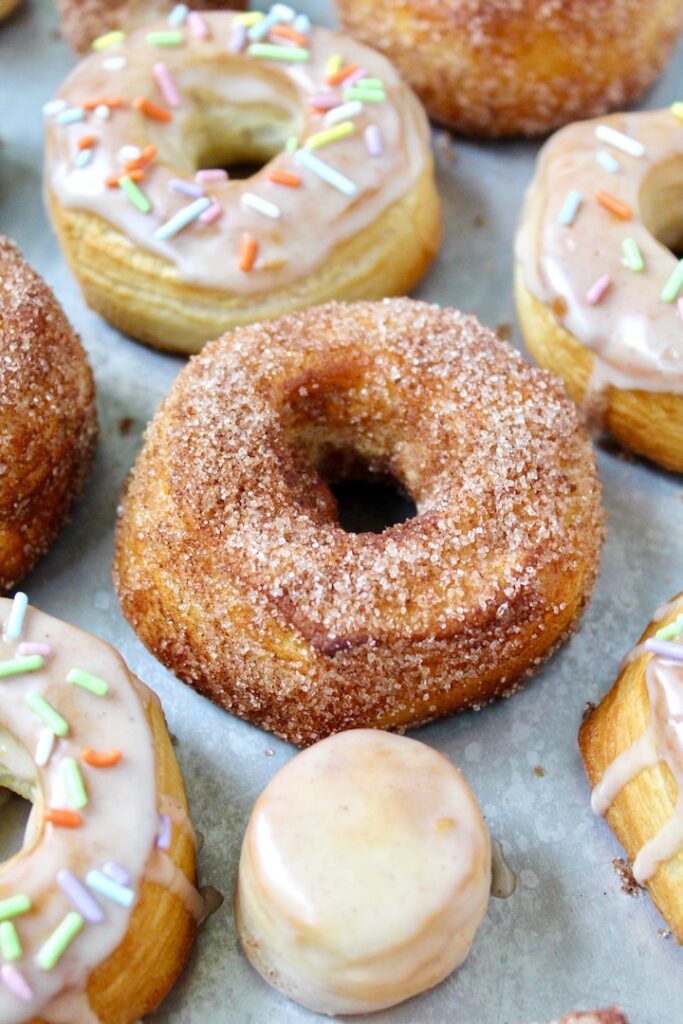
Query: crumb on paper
<point x="125" y="425"/>
<point x="622" y="866"/>
<point x="504" y="331"/>
<point x="539" y="771"/>
<point x="269" y="752"/>
<point x="664" y="933"/>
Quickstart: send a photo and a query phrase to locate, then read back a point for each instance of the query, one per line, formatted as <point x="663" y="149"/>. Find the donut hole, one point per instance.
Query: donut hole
<point x="19" y="798"/>
<point x="369" y="504"/>
<point x="15" y="813"/>
<point x="661" y="204"/>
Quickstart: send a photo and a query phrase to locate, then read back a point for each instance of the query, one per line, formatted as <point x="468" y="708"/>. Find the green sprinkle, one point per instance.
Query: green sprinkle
<point x="268" y="51"/>
<point x="47" y="714"/>
<point x="292" y="144"/>
<point x="370" y="83"/>
<point x="73" y="783"/>
<point x="14" y="907"/>
<point x="323" y="138"/>
<point x="60" y="940"/>
<point x="10" y="946"/>
<point x="632" y="255"/>
<point x="355" y="92"/>
<point x="88" y="682"/>
<point x="671" y="631"/>
<point x="135" y="195"/>
<point x="108" y="39"/>
<point x="17" y="666"/>
<point x="170" y="38"/>
<point x="673" y="285"/>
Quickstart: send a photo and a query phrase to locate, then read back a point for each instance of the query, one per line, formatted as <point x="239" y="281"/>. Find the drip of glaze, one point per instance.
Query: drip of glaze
<point x="70" y="1007"/>
<point x="177" y="812"/>
<point x="503" y="878"/>
<point x="162" y="871"/>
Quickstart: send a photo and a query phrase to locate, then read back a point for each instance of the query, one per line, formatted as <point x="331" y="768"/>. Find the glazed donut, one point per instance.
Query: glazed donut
<point x="7" y="7"/>
<point x="233" y="569"/>
<point x="350" y="212"/>
<point x="633" y="753"/>
<point x="596" y="285"/>
<point x="48" y="422"/>
<point x="519" y="67"/>
<point x="99" y="903"/>
<point x="81" y="22"/>
<point x="365" y="873"/>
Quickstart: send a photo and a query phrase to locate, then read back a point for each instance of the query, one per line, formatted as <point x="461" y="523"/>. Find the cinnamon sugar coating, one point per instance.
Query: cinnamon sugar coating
<point x="48" y="422"/>
<point x="233" y="569"/>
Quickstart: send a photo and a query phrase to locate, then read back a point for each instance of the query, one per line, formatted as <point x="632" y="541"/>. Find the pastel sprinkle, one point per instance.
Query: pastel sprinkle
<point x="152" y="110"/>
<point x="248" y="252"/>
<point x="260" y="205"/>
<point x="182" y="218"/>
<point x="260" y="29"/>
<point x="671" y="631"/>
<point x="268" y="51"/>
<point x="357" y="92"/>
<point x="72" y="115"/>
<point x="280" y="177"/>
<point x="333" y="64"/>
<point x="609" y="202"/>
<point x="323" y="170"/>
<point x="677" y="110"/>
<point x="128" y="153"/>
<point x="87" y="681"/>
<point x="598" y="289"/>
<point x="210" y="175"/>
<point x="163" y="840"/>
<point x="328" y="135"/>
<point x="83" y="159"/>
<point x="101" y="758"/>
<point x="19" y="666"/>
<point x="73" y="784"/>
<point x="110" y="889"/>
<point x="30" y="647"/>
<point x="249" y="18"/>
<point x="16" y="983"/>
<point x="10" y="946"/>
<point x="570" y="208"/>
<point x="238" y="39"/>
<point x="63" y="818"/>
<point x="211" y="214"/>
<point x="633" y="258"/>
<point x="373" y="140"/>
<point x="134" y="194"/>
<point x="44" y="747"/>
<point x="53" y="107"/>
<point x="197" y="25"/>
<point x="302" y="23"/>
<point x="673" y="285"/>
<point x="344" y="112"/>
<point x="115" y="63"/>
<point x="162" y="39"/>
<point x="116" y="872"/>
<point x="664" y="649"/>
<point x="283" y="12"/>
<point x="85" y="904"/>
<point x="46" y="713"/>
<point x="620" y="141"/>
<point x="607" y="161"/>
<point x="341" y="74"/>
<point x="64" y="934"/>
<point x="178" y="15"/>
<point x="187" y="188"/>
<point x="292" y="144"/>
<point x="14" y="906"/>
<point x="166" y="83"/>
<point x="102" y="112"/>
<point x="103" y="42"/>
<point x="323" y="100"/>
<point x="17" y="614"/>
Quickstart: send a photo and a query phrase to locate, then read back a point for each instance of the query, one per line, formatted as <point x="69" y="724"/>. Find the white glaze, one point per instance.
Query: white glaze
<point x="364" y="874"/>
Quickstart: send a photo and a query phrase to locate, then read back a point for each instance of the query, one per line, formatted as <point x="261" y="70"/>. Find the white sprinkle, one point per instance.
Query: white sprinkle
<point x="607" y="161"/>
<point x="620" y="141"/>
<point x="570" y="208"/>
<point x="17" y="614"/>
<point x="302" y="23"/>
<point x="373" y="140"/>
<point x="102" y="112"/>
<point x="44" y="747"/>
<point x="283" y="12"/>
<point x="114" y="63"/>
<point x="344" y="112"/>
<point x="53" y="108"/>
<point x="178" y="15"/>
<point x="264" y="206"/>
<point x="83" y="158"/>
<point x="128" y="153"/>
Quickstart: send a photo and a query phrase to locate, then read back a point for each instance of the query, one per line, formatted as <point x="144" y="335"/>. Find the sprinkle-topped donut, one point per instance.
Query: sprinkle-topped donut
<point x="174" y="252"/>
<point x="107" y="863"/>
<point x="600" y="293"/>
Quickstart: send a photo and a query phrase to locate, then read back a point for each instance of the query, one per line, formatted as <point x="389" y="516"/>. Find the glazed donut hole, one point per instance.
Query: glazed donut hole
<point x="661" y="204"/>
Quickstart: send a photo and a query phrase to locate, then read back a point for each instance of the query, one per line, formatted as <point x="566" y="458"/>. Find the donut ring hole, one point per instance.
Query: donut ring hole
<point x="20" y="800"/>
<point x="661" y="204"/>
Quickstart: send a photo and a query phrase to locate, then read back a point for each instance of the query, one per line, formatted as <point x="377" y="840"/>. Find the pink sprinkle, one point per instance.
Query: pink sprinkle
<point x="680" y="308"/>
<point x="324" y="100"/>
<point x="238" y="37"/>
<point x="116" y="872"/>
<point x="165" y="82"/>
<point x="597" y="290"/>
<point x="211" y="214"/>
<point x="210" y="175"/>
<point x="373" y="140"/>
<point x="34" y="648"/>
<point x="197" y="25"/>
<point x="16" y="983"/>
<point x="355" y="77"/>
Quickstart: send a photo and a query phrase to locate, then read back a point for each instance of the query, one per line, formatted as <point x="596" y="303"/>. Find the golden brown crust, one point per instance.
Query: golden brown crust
<point x="81" y="21"/>
<point x="233" y="569"/>
<point x="507" y="67"/>
<point x="648" y="423"/>
<point x="48" y="421"/>
<point x="647" y="802"/>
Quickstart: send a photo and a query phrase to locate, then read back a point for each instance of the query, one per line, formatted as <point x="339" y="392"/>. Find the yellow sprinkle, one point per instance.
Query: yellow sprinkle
<point x="677" y="110"/>
<point x="250" y="18"/>
<point x="108" y="39"/>
<point x="338" y="131"/>
<point x="333" y="64"/>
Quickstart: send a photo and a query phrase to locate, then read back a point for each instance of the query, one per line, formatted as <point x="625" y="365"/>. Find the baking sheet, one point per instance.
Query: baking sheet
<point x="568" y="937"/>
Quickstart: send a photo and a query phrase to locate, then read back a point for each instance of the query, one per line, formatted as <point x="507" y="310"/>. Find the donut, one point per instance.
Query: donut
<point x="98" y="908"/>
<point x="596" y="285"/>
<point x="81" y="22"/>
<point x="48" y="422"/>
<point x="519" y="67"/>
<point x="344" y="207"/>
<point x="609" y="1016"/>
<point x="233" y="569"/>
<point x="364" y="875"/>
<point x="632" y="750"/>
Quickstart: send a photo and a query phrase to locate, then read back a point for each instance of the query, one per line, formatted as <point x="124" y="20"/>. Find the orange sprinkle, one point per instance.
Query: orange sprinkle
<point x="87" y="142"/>
<point x="287" y="32"/>
<point x="343" y="73"/>
<point x="67" y="819"/>
<point x="284" y="178"/>
<point x="152" y="110"/>
<point x="248" y="251"/>
<point x="614" y="205"/>
<point x="101" y="758"/>
<point x="135" y="175"/>
<point x="102" y="101"/>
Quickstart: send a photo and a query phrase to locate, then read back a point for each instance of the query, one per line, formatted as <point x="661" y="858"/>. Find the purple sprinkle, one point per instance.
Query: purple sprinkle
<point x="84" y="903"/>
<point x="324" y="100"/>
<point x="188" y="188"/>
<point x="210" y="175"/>
<point x="117" y="874"/>
<point x="164" y="834"/>
<point x="665" y="649"/>
<point x="373" y="140"/>
<point x="29" y="648"/>
<point x="211" y="214"/>
<point x="238" y="37"/>
<point x="16" y="983"/>
<point x="197" y="25"/>
<point x="354" y="77"/>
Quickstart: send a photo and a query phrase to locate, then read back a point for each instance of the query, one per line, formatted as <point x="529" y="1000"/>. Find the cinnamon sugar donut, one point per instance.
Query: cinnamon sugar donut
<point x="48" y="422"/>
<point x="511" y="67"/>
<point x="233" y="569"/>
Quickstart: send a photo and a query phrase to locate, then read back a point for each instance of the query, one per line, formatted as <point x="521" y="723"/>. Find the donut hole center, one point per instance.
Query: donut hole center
<point x="371" y="504"/>
<point x="19" y="798"/>
<point x="15" y="813"/>
<point x="661" y="204"/>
